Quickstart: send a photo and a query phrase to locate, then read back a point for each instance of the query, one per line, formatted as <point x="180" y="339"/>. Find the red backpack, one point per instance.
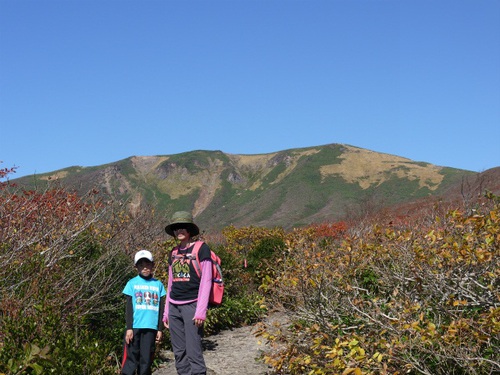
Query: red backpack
<point x="217" y="290"/>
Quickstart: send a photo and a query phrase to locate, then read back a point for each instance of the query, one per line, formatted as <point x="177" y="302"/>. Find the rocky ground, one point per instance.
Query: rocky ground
<point x="231" y="352"/>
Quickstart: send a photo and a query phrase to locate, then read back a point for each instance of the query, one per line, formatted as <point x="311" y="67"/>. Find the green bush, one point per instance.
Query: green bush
<point x="39" y="344"/>
<point x="264" y="250"/>
<point x="234" y="312"/>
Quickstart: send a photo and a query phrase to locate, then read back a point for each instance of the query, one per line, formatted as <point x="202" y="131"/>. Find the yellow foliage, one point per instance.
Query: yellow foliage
<point x="398" y="298"/>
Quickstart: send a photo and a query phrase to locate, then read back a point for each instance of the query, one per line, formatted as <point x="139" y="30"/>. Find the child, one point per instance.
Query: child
<point x="143" y="316"/>
<point x="187" y="296"/>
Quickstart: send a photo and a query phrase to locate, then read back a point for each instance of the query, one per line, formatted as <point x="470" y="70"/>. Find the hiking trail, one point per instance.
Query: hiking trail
<point x="230" y="352"/>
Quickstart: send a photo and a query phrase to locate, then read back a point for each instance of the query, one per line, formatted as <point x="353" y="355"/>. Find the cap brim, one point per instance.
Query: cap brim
<point x="141" y="259"/>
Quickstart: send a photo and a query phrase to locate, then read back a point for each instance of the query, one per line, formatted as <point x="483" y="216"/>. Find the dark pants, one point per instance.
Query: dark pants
<point x="186" y="340"/>
<point x="138" y="355"/>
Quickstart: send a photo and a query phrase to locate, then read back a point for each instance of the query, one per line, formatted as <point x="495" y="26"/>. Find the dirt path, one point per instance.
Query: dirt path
<point x="231" y="352"/>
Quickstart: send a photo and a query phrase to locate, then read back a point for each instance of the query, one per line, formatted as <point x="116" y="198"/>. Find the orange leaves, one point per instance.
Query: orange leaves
<point x="329" y="230"/>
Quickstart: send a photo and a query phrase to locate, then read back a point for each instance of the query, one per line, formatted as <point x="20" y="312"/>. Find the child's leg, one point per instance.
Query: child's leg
<point x="178" y="339"/>
<point x="147" y="339"/>
<point x="131" y="356"/>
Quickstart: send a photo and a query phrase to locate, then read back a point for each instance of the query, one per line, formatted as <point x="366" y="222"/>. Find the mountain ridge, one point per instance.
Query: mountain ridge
<point x="285" y="188"/>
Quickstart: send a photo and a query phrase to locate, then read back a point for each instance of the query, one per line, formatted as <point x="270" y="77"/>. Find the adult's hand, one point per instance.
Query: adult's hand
<point x="198" y="322"/>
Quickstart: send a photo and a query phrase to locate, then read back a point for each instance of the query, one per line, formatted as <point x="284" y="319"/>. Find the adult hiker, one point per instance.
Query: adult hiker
<point x="187" y="295"/>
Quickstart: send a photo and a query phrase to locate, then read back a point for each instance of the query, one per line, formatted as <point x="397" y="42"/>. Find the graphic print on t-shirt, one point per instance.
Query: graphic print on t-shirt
<point x="180" y="268"/>
<point x="138" y="297"/>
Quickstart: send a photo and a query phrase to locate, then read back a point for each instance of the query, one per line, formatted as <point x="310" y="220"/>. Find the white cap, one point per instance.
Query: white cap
<point x="143" y="254"/>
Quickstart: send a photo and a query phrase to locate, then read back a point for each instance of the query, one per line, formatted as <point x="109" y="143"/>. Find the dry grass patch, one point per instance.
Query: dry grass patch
<point x="253" y="161"/>
<point x="370" y="168"/>
<point x="145" y="164"/>
<point x="54" y="176"/>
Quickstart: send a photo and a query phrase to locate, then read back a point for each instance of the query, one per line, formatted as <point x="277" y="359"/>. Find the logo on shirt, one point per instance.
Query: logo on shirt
<point x="180" y="268"/>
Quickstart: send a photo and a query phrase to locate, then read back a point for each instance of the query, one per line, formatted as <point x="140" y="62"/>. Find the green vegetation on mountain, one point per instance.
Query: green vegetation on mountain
<point x="287" y="188"/>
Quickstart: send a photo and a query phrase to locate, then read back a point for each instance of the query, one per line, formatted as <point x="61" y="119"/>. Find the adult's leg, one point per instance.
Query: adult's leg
<point x="193" y="335"/>
<point x="178" y="339"/>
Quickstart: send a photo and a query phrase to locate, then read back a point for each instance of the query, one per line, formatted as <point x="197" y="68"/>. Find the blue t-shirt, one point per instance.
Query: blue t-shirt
<point x="146" y="295"/>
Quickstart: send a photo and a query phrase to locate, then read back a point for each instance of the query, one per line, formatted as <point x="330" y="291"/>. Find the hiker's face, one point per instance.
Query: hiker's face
<point x="145" y="267"/>
<point x="181" y="233"/>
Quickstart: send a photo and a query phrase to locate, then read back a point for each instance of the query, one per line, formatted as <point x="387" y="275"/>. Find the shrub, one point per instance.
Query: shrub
<point x="62" y="270"/>
<point x="421" y="299"/>
<point x="235" y="312"/>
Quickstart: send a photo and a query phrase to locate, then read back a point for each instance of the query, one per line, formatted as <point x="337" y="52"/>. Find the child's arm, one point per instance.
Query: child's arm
<point x="159" y="333"/>
<point x="129" y="320"/>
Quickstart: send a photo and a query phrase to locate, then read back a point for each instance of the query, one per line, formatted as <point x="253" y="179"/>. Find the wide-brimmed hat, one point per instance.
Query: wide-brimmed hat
<point x="184" y="218"/>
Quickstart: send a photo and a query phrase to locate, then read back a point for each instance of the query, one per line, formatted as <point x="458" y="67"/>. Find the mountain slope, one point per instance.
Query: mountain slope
<point x="286" y="188"/>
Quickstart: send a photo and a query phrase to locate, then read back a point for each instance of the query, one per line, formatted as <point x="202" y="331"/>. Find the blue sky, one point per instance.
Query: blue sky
<point x="89" y="82"/>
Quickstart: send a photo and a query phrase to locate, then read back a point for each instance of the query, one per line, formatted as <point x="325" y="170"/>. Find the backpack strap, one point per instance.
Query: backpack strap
<point x="196" y="260"/>
<point x="173" y="254"/>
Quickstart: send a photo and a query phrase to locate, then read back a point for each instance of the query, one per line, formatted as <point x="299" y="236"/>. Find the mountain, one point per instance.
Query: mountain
<point x="286" y="188"/>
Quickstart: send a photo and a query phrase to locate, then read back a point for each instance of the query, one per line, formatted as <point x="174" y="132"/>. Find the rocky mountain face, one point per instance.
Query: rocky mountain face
<point x="287" y="188"/>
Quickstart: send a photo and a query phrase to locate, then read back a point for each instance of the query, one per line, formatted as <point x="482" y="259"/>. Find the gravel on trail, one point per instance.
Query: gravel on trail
<point x="230" y="352"/>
